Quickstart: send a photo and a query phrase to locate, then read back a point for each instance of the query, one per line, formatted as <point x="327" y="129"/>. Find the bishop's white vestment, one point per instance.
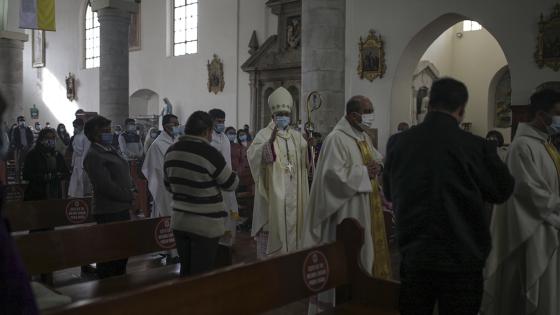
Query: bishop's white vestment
<point x="281" y="188"/>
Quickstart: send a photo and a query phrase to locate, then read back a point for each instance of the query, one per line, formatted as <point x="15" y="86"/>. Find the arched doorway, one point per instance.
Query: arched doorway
<point x="144" y="102"/>
<point x="457" y="47"/>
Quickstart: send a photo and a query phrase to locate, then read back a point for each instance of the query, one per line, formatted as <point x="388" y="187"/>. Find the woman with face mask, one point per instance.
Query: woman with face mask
<point x="113" y="190"/>
<point x="231" y="134"/>
<point x="44" y="169"/>
<point x="62" y="139"/>
<point x="239" y="162"/>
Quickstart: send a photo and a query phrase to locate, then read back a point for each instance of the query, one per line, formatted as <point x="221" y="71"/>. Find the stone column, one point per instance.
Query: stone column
<point x="323" y="44"/>
<point x="11" y="72"/>
<point x="114" y="20"/>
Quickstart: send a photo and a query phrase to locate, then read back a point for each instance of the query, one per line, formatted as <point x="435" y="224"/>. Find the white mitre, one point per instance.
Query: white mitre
<point x="280" y="101"/>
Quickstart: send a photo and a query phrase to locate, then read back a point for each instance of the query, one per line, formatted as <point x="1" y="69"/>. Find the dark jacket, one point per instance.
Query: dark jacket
<point x="438" y="178"/>
<point x="44" y="168"/>
<point x="109" y="174"/>
<point x="16" y="137"/>
<point x="16" y="296"/>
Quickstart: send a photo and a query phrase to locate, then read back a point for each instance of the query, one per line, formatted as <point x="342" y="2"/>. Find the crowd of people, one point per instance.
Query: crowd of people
<point x="457" y="250"/>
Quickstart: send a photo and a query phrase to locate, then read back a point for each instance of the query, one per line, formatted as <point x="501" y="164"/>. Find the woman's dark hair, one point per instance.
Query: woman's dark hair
<point x="198" y="123"/>
<point x="496" y="134"/>
<point x="229" y="128"/>
<point x="543" y="100"/>
<point x="43" y="134"/>
<point x="60" y="126"/>
<point x="94" y="125"/>
<point x="239" y="132"/>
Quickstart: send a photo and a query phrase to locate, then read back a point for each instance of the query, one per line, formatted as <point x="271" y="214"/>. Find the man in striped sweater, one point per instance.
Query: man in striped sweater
<point x="196" y="173"/>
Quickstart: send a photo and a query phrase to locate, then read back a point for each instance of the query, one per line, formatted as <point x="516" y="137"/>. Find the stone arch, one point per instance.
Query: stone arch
<point x="144" y="102"/>
<point x="408" y="62"/>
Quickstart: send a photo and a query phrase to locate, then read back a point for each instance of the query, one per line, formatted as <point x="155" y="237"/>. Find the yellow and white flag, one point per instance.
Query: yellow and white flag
<point x="37" y="15"/>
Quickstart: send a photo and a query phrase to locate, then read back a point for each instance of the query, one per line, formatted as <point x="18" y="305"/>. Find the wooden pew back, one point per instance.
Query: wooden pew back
<point x="45" y="214"/>
<point x="257" y="287"/>
<point x="55" y="250"/>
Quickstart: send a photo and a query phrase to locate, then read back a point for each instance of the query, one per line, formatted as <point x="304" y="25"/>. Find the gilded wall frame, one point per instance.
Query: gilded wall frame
<point x="548" y="41"/>
<point x="371" y="62"/>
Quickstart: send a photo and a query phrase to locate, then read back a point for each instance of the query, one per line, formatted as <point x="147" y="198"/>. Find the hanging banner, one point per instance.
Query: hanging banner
<point x="37" y="15"/>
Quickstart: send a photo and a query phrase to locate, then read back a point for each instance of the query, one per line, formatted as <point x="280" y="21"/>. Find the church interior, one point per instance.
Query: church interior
<point x="145" y="70"/>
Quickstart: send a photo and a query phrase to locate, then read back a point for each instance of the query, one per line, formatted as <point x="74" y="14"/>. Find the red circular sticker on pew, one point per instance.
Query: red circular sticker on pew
<point x="77" y="211"/>
<point x="164" y="234"/>
<point x="315" y="271"/>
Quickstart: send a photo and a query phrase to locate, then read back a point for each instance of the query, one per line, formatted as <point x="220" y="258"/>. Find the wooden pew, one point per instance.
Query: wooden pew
<point x="261" y="286"/>
<point x="15" y="192"/>
<point x="60" y="249"/>
<point x="45" y="214"/>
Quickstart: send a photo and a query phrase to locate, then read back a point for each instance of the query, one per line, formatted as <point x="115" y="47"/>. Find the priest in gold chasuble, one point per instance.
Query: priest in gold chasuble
<point x="346" y="186"/>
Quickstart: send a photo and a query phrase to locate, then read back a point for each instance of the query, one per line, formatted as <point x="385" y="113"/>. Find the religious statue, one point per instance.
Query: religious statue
<point x="294" y="32"/>
<point x="167" y="108"/>
<point x="70" y="87"/>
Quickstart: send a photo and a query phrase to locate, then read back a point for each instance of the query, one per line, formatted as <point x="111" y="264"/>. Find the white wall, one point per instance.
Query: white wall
<point x="440" y="53"/>
<point x="410" y="27"/>
<point x="225" y="27"/>
<point x="474" y="59"/>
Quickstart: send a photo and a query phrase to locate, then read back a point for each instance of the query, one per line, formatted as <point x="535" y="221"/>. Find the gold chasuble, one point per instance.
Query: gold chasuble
<point x="553" y="152"/>
<point x="382" y="262"/>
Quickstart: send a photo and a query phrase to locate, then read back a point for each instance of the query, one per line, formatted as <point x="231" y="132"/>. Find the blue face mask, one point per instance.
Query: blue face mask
<point x="555" y="125"/>
<point x="219" y="128"/>
<point x="231" y="137"/>
<point x="107" y="138"/>
<point x="49" y="143"/>
<point x="177" y="131"/>
<point x="282" y="122"/>
<point x="243" y="138"/>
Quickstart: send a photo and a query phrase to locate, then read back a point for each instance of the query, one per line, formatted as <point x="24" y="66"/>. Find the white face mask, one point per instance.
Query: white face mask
<point x="554" y="127"/>
<point x="368" y="119"/>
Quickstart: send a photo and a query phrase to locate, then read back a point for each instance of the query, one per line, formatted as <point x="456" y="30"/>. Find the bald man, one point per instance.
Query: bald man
<point x="346" y="186"/>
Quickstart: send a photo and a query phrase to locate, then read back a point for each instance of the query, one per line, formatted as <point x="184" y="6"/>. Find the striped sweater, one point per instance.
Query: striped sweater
<point x="195" y="174"/>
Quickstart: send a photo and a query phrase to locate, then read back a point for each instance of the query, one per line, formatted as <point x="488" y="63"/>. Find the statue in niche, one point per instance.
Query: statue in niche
<point x="294" y="32"/>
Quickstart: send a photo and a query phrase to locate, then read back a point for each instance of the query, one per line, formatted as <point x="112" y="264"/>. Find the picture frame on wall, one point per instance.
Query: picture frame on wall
<point x="548" y="41"/>
<point x="134" y="30"/>
<point x="38" y="48"/>
<point x="371" y="60"/>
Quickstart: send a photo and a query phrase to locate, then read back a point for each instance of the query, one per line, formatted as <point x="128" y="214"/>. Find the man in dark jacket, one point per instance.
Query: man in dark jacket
<point x="438" y="178"/>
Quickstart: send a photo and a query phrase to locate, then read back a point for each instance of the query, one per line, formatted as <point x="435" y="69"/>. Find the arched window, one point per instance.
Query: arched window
<point x="92" y="41"/>
<point x="185" y="27"/>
